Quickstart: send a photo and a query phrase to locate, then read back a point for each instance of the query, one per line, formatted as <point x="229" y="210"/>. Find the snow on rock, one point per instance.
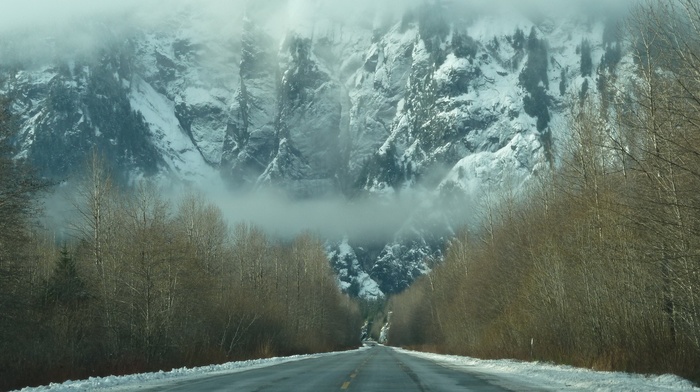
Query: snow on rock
<point x="510" y="166"/>
<point x="369" y="289"/>
<point x="168" y="136"/>
<point x="208" y="126"/>
<point x="350" y="275"/>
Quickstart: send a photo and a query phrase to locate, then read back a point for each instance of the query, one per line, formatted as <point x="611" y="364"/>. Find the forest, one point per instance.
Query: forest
<point x="597" y="263"/>
<point x="144" y="283"/>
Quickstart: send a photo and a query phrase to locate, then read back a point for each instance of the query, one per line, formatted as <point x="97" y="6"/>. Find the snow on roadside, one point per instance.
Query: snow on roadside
<point x="143" y="380"/>
<point x="559" y="377"/>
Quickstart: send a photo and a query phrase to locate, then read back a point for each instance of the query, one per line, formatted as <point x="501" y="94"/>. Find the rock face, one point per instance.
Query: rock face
<point x="438" y="104"/>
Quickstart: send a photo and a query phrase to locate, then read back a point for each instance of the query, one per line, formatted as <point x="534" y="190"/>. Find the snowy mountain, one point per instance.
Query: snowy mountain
<point x="436" y="106"/>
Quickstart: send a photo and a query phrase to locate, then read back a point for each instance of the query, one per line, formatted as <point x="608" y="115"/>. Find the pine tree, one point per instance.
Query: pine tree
<point x="586" y="60"/>
<point x="564" y="82"/>
<point x="66" y="287"/>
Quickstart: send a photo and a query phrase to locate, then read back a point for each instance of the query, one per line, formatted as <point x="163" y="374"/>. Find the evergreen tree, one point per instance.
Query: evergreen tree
<point x="584" y="91"/>
<point x="518" y="41"/>
<point x="586" y="60"/>
<point x="612" y="57"/>
<point x="535" y="80"/>
<point x="66" y="287"/>
<point x="535" y="71"/>
<point x="564" y="82"/>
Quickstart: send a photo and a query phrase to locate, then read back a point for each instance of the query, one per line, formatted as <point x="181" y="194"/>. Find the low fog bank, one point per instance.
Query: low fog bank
<point x="368" y="219"/>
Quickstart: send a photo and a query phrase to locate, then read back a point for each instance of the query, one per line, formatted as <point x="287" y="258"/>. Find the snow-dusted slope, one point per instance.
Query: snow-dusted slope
<point x="437" y="105"/>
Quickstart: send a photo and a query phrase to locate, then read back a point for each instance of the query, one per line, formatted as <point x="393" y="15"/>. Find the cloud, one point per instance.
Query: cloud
<point x="34" y="15"/>
<point x="366" y="219"/>
<point x="69" y="25"/>
<point x="37" y="30"/>
<point x="37" y="15"/>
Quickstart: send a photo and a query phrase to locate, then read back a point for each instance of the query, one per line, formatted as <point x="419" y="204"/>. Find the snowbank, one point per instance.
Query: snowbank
<point x="558" y="377"/>
<point x="128" y="382"/>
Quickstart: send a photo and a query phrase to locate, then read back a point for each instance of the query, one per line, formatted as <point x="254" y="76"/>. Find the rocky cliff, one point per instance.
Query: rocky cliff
<point x="436" y="106"/>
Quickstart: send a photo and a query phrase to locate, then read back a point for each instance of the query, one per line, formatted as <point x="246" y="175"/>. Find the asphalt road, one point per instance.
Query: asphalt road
<point x="376" y="369"/>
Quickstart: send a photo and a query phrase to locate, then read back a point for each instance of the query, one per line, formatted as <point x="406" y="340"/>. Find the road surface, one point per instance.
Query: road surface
<point x="375" y="369"/>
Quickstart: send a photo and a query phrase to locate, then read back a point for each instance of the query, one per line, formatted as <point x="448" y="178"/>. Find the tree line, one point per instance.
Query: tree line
<point x="597" y="264"/>
<point x="145" y="283"/>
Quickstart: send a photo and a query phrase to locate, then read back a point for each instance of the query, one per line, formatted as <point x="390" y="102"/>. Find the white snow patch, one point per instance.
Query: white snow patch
<point x="369" y="288"/>
<point x="176" y="147"/>
<point x="510" y="166"/>
<point x="451" y="64"/>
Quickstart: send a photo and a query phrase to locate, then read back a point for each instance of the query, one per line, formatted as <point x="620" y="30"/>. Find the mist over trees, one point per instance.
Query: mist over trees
<point x="596" y="265"/>
<point x="148" y="284"/>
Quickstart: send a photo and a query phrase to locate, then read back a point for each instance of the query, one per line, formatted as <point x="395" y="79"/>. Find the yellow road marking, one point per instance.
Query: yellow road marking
<point x="354" y="374"/>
